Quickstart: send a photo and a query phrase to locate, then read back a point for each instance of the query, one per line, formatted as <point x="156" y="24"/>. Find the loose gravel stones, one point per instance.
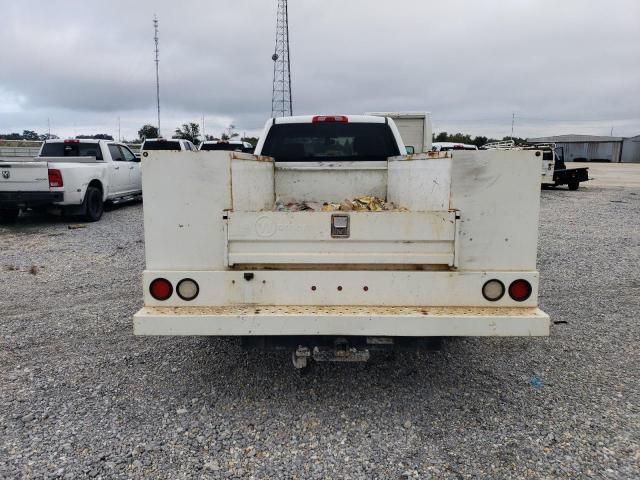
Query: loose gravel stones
<point x="81" y="397"/>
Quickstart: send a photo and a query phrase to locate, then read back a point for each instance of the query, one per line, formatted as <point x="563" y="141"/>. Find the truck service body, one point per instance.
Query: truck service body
<point x="456" y="257"/>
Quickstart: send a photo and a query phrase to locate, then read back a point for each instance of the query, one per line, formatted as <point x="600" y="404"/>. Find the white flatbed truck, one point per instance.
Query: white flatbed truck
<point x="457" y="257"/>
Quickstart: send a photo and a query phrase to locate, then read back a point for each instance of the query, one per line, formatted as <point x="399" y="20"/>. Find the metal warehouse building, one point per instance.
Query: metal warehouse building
<point x="631" y="149"/>
<point x="586" y="148"/>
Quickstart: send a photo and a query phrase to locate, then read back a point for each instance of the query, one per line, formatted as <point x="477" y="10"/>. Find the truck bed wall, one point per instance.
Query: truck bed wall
<point x="187" y="194"/>
<point x="498" y="195"/>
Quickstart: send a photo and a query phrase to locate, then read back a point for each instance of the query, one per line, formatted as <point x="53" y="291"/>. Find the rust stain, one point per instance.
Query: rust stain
<point x="249" y="156"/>
<point x="424" y="156"/>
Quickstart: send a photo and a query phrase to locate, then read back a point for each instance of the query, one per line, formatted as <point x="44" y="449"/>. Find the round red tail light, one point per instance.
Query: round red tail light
<point x="520" y="290"/>
<point x="161" y="289"/>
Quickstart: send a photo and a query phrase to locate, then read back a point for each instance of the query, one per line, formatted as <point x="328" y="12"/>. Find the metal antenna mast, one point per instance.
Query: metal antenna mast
<point x="155" y="37"/>
<point x="281" y="103"/>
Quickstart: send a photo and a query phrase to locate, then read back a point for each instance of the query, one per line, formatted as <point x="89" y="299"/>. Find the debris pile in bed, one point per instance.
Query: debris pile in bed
<point x="365" y="203"/>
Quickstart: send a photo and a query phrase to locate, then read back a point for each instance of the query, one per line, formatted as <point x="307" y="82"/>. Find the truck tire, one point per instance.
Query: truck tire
<point x="9" y="215"/>
<point x="92" y="205"/>
<point x="573" y="184"/>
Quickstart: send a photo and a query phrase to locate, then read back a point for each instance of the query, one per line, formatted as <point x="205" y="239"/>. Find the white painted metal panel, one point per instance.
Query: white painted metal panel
<point x="375" y="237"/>
<point x="252" y="180"/>
<point x="185" y="196"/>
<point x="24" y="176"/>
<point x="414" y="128"/>
<point x="296" y="287"/>
<point x="329" y="181"/>
<point x="498" y="195"/>
<point x="420" y="182"/>
<point x="369" y="321"/>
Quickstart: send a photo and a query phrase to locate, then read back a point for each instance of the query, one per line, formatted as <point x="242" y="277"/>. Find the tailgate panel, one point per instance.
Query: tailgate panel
<point x="374" y="237"/>
<point x="24" y="176"/>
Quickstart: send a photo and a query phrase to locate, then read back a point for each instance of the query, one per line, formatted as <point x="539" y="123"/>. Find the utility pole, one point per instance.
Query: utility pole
<point x="513" y="121"/>
<point x="118" y="128"/>
<point x="281" y="100"/>
<point x="48" y="128"/>
<point x="155" y="38"/>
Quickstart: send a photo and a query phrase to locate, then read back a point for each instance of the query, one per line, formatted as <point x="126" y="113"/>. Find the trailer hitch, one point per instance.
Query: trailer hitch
<point x="340" y="352"/>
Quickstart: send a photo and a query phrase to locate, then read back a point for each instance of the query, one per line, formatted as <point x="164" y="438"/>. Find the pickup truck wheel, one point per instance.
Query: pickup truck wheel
<point x="9" y="215"/>
<point x="573" y="184"/>
<point x="93" y="206"/>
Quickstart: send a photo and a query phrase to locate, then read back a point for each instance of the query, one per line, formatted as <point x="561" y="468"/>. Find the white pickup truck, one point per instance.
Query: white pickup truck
<point x="75" y="175"/>
<point x="332" y="242"/>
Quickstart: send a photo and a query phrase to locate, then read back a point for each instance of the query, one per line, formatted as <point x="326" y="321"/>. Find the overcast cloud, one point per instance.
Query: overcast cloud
<point x="561" y="66"/>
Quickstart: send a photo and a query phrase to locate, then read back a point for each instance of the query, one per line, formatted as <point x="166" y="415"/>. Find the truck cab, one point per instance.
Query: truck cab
<point x="332" y="242"/>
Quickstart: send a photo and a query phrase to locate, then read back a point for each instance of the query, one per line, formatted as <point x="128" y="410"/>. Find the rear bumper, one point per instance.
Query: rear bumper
<point x="267" y="320"/>
<point x="29" y="199"/>
<point x="562" y="177"/>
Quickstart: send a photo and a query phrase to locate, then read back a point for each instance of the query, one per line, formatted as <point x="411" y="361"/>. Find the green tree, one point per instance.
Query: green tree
<point x="189" y="131"/>
<point x="252" y="140"/>
<point x="441" y="137"/>
<point x="29" y="135"/>
<point x="226" y="136"/>
<point x="480" y="141"/>
<point x="148" y="131"/>
<point x="229" y="134"/>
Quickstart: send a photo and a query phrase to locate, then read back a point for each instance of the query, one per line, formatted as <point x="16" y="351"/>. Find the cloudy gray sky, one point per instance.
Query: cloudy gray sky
<point x="560" y="66"/>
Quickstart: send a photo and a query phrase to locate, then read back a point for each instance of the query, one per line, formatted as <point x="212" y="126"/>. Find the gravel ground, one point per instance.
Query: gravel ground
<point x="81" y="397"/>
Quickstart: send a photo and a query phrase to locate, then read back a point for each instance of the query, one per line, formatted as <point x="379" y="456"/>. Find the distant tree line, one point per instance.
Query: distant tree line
<point x="26" y="135"/>
<point x="478" y="141"/>
<point x="191" y="131"/>
<point x="30" y="135"/>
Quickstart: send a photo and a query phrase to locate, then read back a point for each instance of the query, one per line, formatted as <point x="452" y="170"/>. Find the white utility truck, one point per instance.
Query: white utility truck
<point x="414" y="128"/>
<point x="332" y="242"/>
<point x="75" y="175"/>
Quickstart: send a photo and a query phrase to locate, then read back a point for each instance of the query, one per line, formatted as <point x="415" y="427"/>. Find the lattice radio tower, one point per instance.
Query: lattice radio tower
<point x="281" y="103"/>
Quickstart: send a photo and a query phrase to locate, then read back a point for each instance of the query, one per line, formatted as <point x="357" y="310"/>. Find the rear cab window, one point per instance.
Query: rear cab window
<point x="72" y="149"/>
<point x="221" y="146"/>
<point x="161" y="145"/>
<point x="337" y="141"/>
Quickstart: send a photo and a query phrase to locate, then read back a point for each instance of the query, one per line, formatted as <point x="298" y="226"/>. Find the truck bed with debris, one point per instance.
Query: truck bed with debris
<point x="332" y="242"/>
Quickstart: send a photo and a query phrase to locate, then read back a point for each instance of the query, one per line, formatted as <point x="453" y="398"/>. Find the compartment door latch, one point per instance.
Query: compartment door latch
<point x="340" y="226"/>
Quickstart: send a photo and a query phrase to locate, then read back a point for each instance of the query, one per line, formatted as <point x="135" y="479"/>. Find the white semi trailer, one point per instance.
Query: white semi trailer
<point x="414" y="127"/>
<point x="332" y="242"/>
